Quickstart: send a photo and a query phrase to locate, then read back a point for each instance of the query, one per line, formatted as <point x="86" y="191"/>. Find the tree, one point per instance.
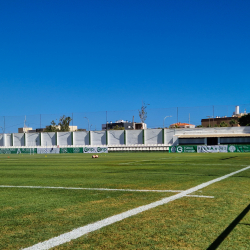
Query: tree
<point x="51" y="128"/>
<point x="233" y="122"/>
<point x="62" y="126"/>
<point x="199" y="126"/>
<point x="143" y="113"/>
<point x="245" y="120"/>
<point x="64" y="123"/>
<point x="223" y="124"/>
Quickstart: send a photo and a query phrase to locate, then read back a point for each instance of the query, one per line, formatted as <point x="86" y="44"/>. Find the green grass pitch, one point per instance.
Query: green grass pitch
<point x="33" y="215"/>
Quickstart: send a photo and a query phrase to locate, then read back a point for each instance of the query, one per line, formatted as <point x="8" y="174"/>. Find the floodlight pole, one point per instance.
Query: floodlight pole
<point x="87" y="119"/>
<point x="164" y="120"/>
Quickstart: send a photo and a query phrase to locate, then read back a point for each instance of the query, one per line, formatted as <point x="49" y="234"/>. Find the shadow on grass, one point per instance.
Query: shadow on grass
<point x="229" y="158"/>
<point x="229" y="229"/>
<point x="245" y="224"/>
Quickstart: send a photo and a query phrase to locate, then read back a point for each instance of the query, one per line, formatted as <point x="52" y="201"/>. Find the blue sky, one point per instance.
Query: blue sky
<point x="64" y="56"/>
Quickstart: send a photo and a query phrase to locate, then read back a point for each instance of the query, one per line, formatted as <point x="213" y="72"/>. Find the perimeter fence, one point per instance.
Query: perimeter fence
<point x="91" y="121"/>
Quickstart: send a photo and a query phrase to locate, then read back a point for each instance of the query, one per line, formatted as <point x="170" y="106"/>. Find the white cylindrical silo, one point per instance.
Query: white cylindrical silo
<point x="237" y="110"/>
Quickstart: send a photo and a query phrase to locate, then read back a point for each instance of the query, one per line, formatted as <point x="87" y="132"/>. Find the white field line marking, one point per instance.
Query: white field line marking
<point x="78" y="232"/>
<point x="199" y="196"/>
<point x="98" y="189"/>
<point x="107" y="189"/>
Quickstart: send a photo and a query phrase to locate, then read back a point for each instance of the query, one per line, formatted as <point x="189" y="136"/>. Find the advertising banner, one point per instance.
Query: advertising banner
<point x="70" y="150"/>
<point x="239" y="148"/>
<point x="18" y="150"/>
<point x="183" y="149"/>
<point x="92" y="150"/>
<point x="212" y="149"/>
<point x="48" y="150"/>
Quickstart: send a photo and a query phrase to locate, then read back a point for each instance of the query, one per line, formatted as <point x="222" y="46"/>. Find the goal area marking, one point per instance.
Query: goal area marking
<point x="78" y="232"/>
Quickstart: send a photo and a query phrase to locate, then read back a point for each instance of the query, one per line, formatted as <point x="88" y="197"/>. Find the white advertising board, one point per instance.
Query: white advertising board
<point x="92" y="150"/>
<point x="212" y="149"/>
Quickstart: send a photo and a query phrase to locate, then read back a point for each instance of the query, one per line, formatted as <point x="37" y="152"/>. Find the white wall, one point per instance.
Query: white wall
<point x="48" y="139"/>
<point x="18" y="139"/>
<point x="98" y="137"/>
<point x="81" y="138"/>
<point x="168" y="136"/>
<point x="134" y="137"/>
<point x="64" y="138"/>
<point x="32" y="139"/>
<point x="116" y="137"/>
<point x="1" y="140"/>
<point x="8" y="140"/>
<point x="153" y="136"/>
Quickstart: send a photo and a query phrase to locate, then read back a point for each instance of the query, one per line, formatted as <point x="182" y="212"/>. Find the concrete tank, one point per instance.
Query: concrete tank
<point x="237" y="110"/>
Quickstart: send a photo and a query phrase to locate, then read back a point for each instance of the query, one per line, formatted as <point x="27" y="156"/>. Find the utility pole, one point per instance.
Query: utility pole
<point x="107" y="121"/>
<point x="88" y="121"/>
<point x="177" y="114"/>
<point x="209" y="116"/>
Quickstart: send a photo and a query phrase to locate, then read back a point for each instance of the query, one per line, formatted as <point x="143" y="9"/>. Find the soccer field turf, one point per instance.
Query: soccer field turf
<point x="39" y="202"/>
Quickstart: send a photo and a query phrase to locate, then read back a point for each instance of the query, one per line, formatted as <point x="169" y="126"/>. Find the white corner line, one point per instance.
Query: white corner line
<point x="78" y="232"/>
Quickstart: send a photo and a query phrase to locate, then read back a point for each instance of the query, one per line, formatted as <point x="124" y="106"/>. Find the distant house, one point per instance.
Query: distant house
<point x="181" y="125"/>
<point x="71" y="128"/>
<point x="124" y="124"/>
<point x="25" y="130"/>
<point x="215" y="122"/>
<point x="38" y="130"/>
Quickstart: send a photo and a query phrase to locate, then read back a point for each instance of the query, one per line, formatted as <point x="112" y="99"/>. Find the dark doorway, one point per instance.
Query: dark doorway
<point x="212" y="141"/>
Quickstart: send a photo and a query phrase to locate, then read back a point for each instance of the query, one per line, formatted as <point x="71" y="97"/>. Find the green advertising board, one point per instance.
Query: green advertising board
<point x="183" y="149"/>
<point x="239" y="148"/>
<point x="18" y="150"/>
<point x="232" y="148"/>
<point x="71" y="150"/>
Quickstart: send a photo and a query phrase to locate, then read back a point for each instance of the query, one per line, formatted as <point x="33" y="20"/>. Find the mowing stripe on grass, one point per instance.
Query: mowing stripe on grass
<point x="107" y="189"/>
<point x="76" y="233"/>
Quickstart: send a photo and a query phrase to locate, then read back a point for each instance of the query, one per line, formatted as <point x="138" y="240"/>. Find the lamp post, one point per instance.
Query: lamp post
<point x="209" y="116"/>
<point x="164" y="120"/>
<point x="88" y="121"/>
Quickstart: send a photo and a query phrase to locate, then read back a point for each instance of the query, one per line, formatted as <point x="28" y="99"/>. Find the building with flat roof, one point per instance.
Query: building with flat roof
<point x="225" y="121"/>
<point x="31" y="130"/>
<point x="127" y="125"/>
<point x="24" y="130"/>
<point x="216" y="122"/>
